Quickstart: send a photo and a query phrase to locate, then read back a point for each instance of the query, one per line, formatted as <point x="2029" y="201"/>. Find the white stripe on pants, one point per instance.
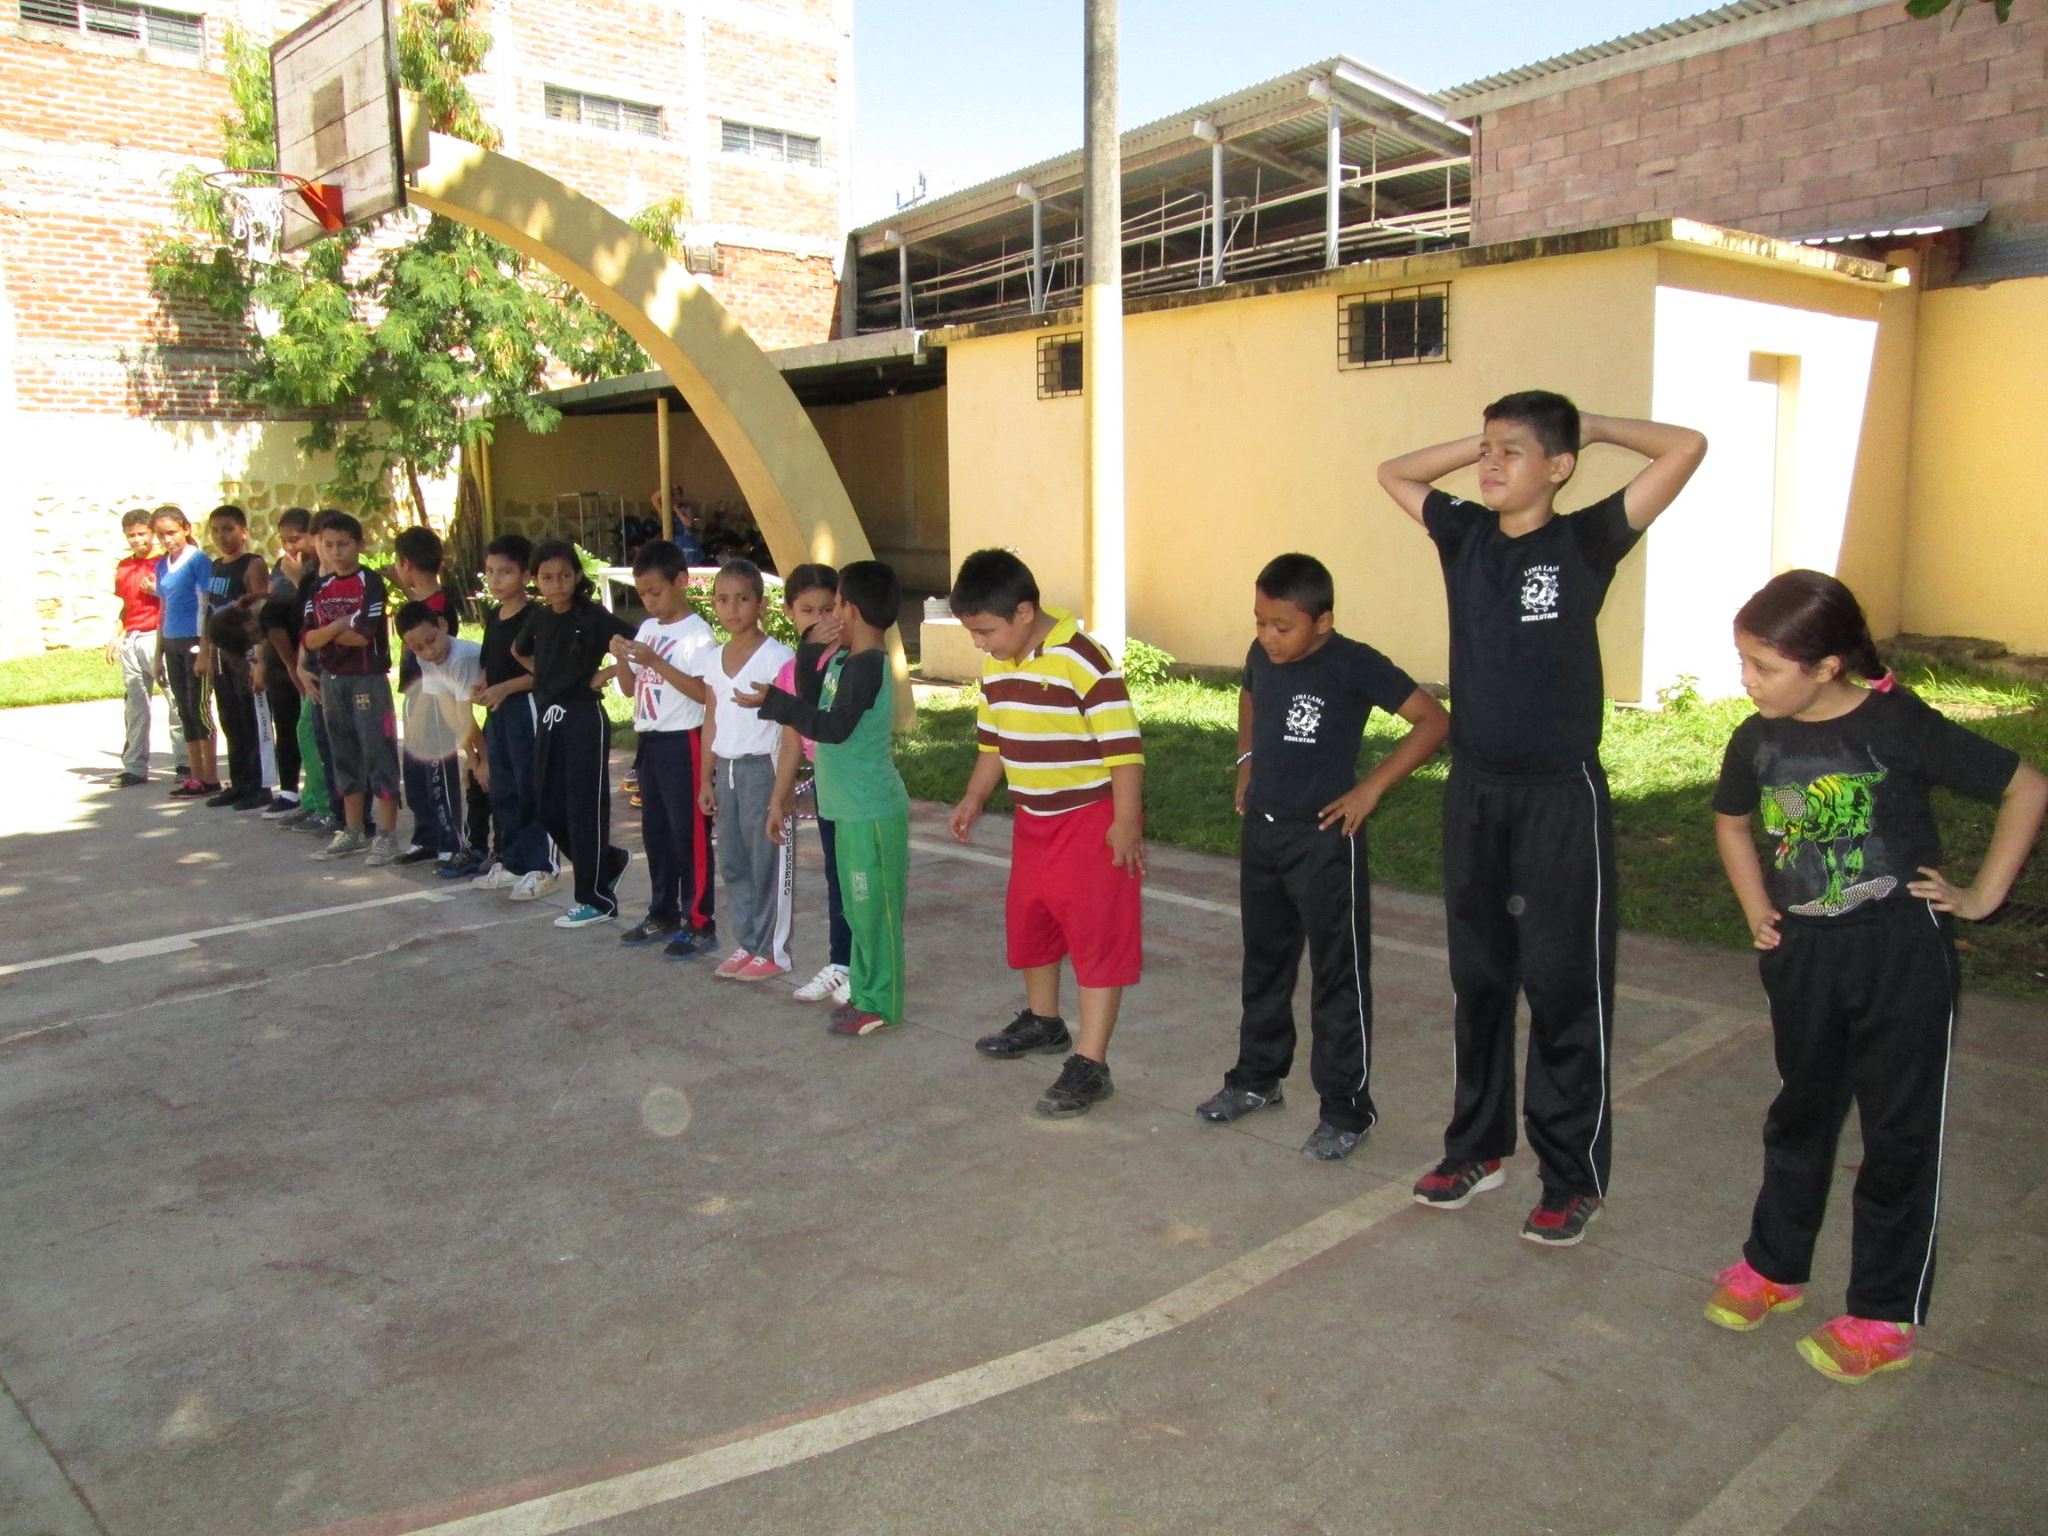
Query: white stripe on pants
<point x="760" y="877"/>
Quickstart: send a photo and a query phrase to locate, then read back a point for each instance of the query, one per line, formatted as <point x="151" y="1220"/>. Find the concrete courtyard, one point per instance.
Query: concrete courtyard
<point x="335" y="1201"/>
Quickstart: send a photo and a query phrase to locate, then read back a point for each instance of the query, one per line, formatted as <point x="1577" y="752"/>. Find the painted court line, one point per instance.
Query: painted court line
<point x="146" y="949"/>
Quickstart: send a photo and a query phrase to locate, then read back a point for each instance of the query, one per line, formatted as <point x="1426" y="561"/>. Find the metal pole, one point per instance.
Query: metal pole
<point x="1216" y="214"/>
<point x="1102" y="336"/>
<point x="849" y="291"/>
<point x="668" y="511"/>
<point x="903" y="311"/>
<point x="1333" y="181"/>
<point x="1037" y="257"/>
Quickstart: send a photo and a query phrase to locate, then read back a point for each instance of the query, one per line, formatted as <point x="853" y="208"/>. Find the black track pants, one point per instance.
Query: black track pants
<point x="235" y="693"/>
<point x="674" y="832"/>
<point x="1300" y="886"/>
<point x="1529" y="896"/>
<point x="576" y="797"/>
<point x="1862" y="1009"/>
<point x="285" y="702"/>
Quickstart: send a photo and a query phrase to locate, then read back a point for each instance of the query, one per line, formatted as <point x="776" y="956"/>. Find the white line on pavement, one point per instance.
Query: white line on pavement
<point x="145" y="949"/>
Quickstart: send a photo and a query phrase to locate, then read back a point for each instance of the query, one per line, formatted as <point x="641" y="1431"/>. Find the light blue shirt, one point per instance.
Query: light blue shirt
<point x="180" y="588"/>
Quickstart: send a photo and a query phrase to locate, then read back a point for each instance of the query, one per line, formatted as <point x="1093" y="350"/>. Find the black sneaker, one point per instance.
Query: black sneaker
<point x="418" y="853"/>
<point x="648" y="929"/>
<point x="257" y="799"/>
<point x="125" y="780"/>
<point x="1329" y="1144"/>
<point x="1560" y="1220"/>
<point x="1452" y="1183"/>
<point x="1235" y="1103"/>
<point x="1081" y="1085"/>
<point x="220" y="799"/>
<point x="691" y="941"/>
<point x="280" y="807"/>
<point x="1025" y="1034"/>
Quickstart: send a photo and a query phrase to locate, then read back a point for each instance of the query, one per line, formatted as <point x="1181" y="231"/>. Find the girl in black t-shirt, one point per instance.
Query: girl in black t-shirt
<point x="567" y="648"/>
<point x="1859" y="963"/>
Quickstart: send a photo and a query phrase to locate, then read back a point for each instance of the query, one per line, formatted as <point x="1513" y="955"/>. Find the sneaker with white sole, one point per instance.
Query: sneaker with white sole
<point x="826" y="983"/>
<point x="759" y="968"/>
<point x="345" y="843"/>
<point x="1452" y="1183"/>
<point x="384" y="849"/>
<point x="496" y="878"/>
<point x="534" y="885"/>
<point x="585" y="916"/>
<point x="281" y="805"/>
<point x="732" y="964"/>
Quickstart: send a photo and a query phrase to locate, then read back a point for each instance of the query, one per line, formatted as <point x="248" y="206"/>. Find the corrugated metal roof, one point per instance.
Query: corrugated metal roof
<point x="1685" y="26"/>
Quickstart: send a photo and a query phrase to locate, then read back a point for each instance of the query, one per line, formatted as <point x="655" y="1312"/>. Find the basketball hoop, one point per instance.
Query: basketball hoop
<point x="256" y="201"/>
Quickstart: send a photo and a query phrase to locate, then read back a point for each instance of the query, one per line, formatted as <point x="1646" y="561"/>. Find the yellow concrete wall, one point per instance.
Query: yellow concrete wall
<point x="1976" y="528"/>
<point x="1776" y="367"/>
<point x="1245" y="440"/>
<point x="890" y="453"/>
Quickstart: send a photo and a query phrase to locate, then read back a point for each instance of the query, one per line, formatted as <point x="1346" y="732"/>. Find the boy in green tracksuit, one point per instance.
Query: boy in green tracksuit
<point x="859" y="790"/>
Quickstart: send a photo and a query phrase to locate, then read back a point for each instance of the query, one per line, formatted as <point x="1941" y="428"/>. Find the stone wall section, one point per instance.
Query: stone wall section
<point x="1843" y="121"/>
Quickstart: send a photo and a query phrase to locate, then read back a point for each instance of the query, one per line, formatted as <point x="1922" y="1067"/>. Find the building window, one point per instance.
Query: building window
<point x="606" y="112"/>
<point x="171" y="34"/>
<point x="1405" y="325"/>
<point x="1059" y="366"/>
<point x="770" y="144"/>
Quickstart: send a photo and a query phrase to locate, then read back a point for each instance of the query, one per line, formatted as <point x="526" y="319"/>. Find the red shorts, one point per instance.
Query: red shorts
<point x="1066" y="900"/>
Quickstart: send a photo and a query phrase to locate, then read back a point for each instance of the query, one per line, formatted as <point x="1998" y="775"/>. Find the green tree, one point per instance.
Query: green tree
<point x="1926" y="8"/>
<point x="400" y="351"/>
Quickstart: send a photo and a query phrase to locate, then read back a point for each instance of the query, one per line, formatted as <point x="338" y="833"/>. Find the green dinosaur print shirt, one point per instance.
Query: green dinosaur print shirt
<point x="1843" y="804"/>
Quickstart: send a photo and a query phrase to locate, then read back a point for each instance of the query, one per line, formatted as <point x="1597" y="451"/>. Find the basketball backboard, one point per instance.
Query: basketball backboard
<point x="334" y="90"/>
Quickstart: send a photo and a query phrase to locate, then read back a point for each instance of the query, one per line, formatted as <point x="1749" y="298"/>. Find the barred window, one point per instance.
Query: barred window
<point x="609" y="113"/>
<point x="173" y="34"/>
<point x="1059" y="366"/>
<point x="770" y="144"/>
<point x="1403" y="325"/>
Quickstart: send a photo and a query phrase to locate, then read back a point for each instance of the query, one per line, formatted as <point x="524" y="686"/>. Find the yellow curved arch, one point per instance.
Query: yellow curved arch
<point x="741" y="398"/>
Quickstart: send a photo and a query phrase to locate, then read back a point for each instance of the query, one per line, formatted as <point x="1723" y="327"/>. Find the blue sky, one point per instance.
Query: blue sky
<point x="968" y="89"/>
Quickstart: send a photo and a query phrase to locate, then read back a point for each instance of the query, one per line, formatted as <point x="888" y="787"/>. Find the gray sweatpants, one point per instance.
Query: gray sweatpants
<point x="137" y="655"/>
<point x="760" y="878"/>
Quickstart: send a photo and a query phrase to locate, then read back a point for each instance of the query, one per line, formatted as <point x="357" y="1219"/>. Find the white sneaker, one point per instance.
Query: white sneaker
<point x="827" y="983"/>
<point x="842" y="989"/>
<point x="531" y="887"/>
<point x="496" y="878"/>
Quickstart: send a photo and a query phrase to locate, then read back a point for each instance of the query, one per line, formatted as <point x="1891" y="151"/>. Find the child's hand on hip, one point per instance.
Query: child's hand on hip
<point x="1349" y="809"/>
<point x="1962" y="900"/>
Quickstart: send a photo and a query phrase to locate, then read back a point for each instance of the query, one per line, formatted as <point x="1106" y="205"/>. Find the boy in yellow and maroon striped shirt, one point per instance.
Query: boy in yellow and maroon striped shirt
<point x="1057" y="725"/>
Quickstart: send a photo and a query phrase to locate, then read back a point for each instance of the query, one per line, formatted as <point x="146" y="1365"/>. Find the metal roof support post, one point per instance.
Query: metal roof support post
<point x="903" y="312"/>
<point x="1026" y="192"/>
<point x="849" y="290"/>
<point x="1102" y="338"/>
<point x="1216" y="214"/>
<point x="1333" y="183"/>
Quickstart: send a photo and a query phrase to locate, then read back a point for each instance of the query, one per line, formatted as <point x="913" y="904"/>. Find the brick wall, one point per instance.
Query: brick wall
<point x="781" y="299"/>
<point x="1845" y="120"/>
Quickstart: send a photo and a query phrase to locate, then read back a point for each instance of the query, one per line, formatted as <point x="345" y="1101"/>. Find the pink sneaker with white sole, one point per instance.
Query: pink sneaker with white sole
<point x="758" y="968"/>
<point x="732" y="964"/>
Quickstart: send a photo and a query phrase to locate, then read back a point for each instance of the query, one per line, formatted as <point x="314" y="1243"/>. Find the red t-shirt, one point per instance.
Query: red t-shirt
<point x="140" y="610"/>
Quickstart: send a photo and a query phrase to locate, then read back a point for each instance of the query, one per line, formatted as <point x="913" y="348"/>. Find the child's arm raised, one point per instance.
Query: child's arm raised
<point x="1746" y="874"/>
<point x="635" y="654"/>
<point x="860" y="685"/>
<point x="1410" y="478"/>
<point x="1674" y="453"/>
<point x="2012" y="838"/>
<point x="1428" y="726"/>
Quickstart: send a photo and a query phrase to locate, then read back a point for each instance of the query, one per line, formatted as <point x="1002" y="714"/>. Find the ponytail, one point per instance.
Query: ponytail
<point x="1808" y="616"/>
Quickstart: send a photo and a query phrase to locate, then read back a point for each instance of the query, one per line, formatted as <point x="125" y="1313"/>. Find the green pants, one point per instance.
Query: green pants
<point x="313" y="793"/>
<point x="874" y="875"/>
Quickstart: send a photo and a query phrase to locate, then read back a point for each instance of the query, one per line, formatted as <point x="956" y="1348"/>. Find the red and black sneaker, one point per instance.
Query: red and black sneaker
<point x="1560" y="1220"/>
<point x="1452" y="1183"/>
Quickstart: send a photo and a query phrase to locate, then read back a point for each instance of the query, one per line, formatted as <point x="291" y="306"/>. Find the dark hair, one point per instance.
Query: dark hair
<point x="1808" y="616"/>
<point x="175" y="514"/>
<point x="514" y="547"/>
<point x="413" y="614"/>
<point x="133" y="516"/>
<point x="664" y="556"/>
<point x="747" y="571"/>
<point x="563" y="550"/>
<point x="228" y="629"/>
<point x="231" y="512"/>
<point x="294" y="517"/>
<point x="333" y="521"/>
<point x="808" y="578"/>
<point x="873" y="590"/>
<point x="1302" y="580"/>
<point x="992" y="581"/>
<point x="1553" y="418"/>
<point x="420" y="548"/>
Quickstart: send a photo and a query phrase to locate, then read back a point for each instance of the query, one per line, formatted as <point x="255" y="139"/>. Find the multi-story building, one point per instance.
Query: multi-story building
<point x="741" y="107"/>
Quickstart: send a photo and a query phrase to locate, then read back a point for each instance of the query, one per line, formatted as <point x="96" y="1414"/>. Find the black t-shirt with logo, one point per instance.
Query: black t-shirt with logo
<point x="1844" y="803"/>
<point x="568" y="649"/>
<point x="1307" y="718"/>
<point x="500" y="636"/>
<point x="1525" y="648"/>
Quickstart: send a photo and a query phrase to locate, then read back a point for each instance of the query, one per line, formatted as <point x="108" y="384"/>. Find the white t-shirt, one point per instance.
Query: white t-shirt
<point x="657" y="705"/>
<point x="439" y="708"/>
<point x="742" y="732"/>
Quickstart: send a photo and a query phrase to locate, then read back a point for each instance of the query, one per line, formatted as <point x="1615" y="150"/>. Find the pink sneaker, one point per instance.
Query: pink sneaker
<point x="1854" y="1349"/>
<point x="1745" y="1298"/>
<point x="732" y="964"/>
<point x="758" y="968"/>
